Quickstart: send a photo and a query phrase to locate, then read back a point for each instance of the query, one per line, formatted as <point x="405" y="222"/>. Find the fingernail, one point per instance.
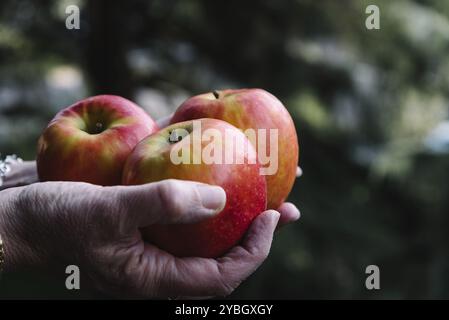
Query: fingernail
<point x="213" y="198"/>
<point x="294" y="210"/>
<point x="298" y="172"/>
<point x="298" y="214"/>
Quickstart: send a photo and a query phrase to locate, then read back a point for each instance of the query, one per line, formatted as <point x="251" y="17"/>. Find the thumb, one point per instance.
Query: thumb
<point x="171" y="202"/>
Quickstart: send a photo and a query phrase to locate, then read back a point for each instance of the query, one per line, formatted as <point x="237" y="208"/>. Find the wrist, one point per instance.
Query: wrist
<point x="15" y="173"/>
<point x="16" y="253"/>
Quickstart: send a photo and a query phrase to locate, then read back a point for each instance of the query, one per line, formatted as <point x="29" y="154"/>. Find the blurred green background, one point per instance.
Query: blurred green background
<point x="370" y="106"/>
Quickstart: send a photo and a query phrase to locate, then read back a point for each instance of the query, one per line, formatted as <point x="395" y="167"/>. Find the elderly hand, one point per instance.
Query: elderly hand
<point x="97" y="229"/>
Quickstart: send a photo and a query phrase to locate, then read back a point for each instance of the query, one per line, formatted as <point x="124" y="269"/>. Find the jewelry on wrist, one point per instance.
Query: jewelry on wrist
<point x="5" y="165"/>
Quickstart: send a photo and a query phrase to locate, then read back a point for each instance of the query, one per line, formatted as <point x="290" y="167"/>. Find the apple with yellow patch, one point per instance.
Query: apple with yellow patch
<point x="90" y="140"/>
<point x="253" y="109"/>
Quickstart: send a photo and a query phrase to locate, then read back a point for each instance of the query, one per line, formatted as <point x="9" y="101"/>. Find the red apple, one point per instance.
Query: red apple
<point x="253" y="109"/>
<point x="158" y="157"/>
<point x="90" y="140"/>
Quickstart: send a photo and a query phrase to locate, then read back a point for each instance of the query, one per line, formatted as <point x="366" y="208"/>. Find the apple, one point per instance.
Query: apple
<point x="199" y="153"/>
<point x="90" y="140"/>
<point x="253" y="109"/>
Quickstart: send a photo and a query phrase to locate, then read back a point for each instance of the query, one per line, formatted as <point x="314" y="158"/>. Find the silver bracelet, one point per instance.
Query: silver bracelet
<point x="5" y="165"/>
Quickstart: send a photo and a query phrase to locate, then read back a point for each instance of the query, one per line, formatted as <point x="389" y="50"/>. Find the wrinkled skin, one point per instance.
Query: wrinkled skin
<point x="97" y="228"/>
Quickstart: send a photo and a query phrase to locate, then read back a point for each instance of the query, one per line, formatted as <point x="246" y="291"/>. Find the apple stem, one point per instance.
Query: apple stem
<point x="216" y="94"/>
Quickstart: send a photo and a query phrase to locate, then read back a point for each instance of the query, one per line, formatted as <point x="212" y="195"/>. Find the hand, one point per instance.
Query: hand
<point x="97" y="229"/>
<point x="21" y="174"/>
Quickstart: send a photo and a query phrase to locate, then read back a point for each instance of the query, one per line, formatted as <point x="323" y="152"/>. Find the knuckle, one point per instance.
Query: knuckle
<point x="169" y="195"/>
<point x="257" y="253"/>
<point x="261" y="255"/>
<point x="166" y="189"/>
<point x="195" y="200"/>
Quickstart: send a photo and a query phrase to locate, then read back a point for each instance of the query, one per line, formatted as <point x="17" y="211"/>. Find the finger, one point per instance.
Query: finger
<point x="201" y="277"/>
<point x="289" y="213"/>
<point x="298" y="172"/>
<point x="239" y="263"/>
<point x="256" y="244"/>
<point x="165" y="121"/>
<point x="169" y="202"/>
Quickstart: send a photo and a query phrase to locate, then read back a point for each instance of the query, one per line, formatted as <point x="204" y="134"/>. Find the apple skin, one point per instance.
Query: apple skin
<point x="90" y="140"/>
<point x="245" y="191"/>
<point x="252" y="109"/>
